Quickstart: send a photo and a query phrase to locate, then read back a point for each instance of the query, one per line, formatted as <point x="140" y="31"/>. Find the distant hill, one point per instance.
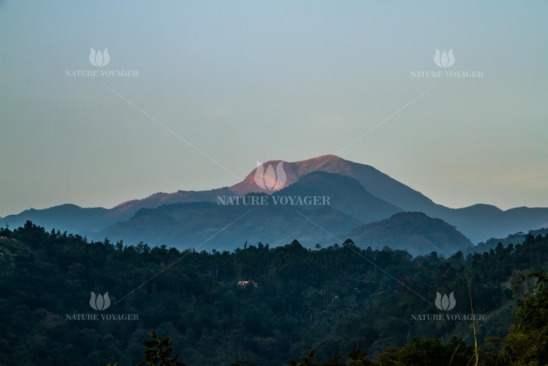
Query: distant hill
<point x="66" y="217"/>
<point x="127" y="209"/>
<point x="478" y="222"/>
<point x="517" y="238"/>
<point x="481" y="222"/>
<point x="210" y="226"/>
<point x="189" y="224"/>
<point x="86" y="221"/>
<point x="411" y="231"/>
<point x="383" y="197"/>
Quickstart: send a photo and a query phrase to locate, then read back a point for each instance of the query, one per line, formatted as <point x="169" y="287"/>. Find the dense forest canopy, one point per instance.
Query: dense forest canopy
<point x="257" y="304"/>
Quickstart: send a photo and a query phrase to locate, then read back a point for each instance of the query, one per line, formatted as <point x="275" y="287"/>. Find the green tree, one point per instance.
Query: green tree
<point x="158" y="352"/>
<point x="527" y="343"/>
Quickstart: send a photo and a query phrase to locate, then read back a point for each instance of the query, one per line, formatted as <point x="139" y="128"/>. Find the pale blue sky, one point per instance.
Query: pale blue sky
<point x="249" y="81"/>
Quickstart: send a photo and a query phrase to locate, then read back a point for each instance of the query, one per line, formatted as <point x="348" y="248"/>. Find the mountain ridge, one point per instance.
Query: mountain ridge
<point x="412" y="231"/>
<point x="180" y="224"/>
<point x="478" y="222"/>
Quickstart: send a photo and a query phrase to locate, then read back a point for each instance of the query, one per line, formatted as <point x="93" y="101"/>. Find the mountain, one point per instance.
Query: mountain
<point x="189" y="224"/>
<point x="345" y="194"/>
<point x="66" y="217"/>
<point x="516" y="238"/>
<point x="76" y="219"/>
<point x="208" y="226"/>
<point x="478" y="222"/>
<point x="481" y="222"/>
<point x="374" y="181"/>
<point x="411" y="231"/>
<point x="127" y="209"/>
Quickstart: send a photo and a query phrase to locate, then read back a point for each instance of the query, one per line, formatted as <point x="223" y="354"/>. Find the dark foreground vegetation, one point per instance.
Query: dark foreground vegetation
<point x="332" y="300"/>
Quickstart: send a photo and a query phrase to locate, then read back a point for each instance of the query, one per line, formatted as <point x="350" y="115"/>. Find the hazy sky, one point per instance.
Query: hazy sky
<point x="248" y="81"/>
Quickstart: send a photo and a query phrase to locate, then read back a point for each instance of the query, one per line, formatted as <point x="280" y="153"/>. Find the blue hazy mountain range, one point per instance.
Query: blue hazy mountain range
<point x="359" y="195"/>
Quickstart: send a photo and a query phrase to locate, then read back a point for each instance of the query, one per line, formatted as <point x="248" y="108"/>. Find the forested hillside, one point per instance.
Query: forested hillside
<point x="331" y="300"/>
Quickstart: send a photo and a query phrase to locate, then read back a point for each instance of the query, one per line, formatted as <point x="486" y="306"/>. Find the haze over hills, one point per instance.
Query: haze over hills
<point x="189" y="224"/>
<point x="186" y="225"/>
<point x="359" y="191"/>
<point x="478" y="222"/>
<point x="411" y="231"/>
<point x="515" y="239"/>
<point x="208" y="226"/>
<point x="76" y="219"/>
<point x="67" y="217"/>
<point x="346" y="195"/>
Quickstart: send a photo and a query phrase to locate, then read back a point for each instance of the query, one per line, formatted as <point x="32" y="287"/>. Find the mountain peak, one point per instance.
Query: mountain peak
<point x="321" y="159"/>
<point x="293" y="171"/>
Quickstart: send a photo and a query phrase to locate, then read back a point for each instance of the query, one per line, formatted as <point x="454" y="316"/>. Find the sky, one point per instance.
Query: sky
<point x="221" y="85"/>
